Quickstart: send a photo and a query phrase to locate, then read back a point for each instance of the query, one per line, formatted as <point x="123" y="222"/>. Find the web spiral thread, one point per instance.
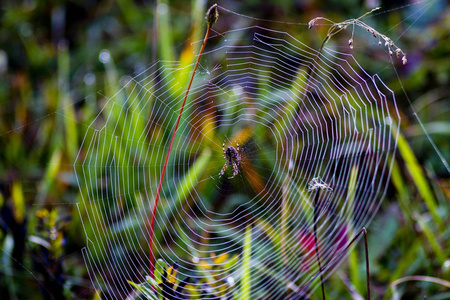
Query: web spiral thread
<point x="311" y="129"/>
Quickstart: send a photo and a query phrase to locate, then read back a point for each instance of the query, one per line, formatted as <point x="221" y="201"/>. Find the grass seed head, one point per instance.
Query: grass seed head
<point x="212" y="15"/>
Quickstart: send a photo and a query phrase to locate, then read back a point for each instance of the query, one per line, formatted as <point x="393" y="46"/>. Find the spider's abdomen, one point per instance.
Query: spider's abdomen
<point x="231" y="155"/>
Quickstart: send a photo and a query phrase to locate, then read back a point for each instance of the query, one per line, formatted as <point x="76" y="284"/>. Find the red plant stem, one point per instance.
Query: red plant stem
<point x="170" y="149"/>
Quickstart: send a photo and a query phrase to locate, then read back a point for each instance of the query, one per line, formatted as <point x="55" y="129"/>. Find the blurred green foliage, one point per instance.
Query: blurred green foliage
<point x="50" y="72"/>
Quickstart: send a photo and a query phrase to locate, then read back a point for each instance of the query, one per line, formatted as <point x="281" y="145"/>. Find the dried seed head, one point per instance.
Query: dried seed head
<point x="318" y="184"/>
<point x="212" y="15"/>
<point x="337" y="27"/>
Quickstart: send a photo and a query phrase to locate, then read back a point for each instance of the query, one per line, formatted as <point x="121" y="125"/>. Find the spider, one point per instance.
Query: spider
<point x="233" y="158"/>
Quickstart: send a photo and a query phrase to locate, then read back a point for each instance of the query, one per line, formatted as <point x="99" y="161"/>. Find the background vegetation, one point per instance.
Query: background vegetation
<point x="50" y="72"/>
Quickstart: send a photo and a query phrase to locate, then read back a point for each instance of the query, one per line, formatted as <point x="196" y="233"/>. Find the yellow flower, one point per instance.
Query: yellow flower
<point x="172" y="273"/>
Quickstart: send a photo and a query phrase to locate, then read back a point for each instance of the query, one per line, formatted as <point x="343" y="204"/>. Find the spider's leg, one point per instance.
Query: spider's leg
<point x="235" y="170"/>
<point x="223" y="170"/>
<point x="223" y="150"/>
<point x="238" y="155"/>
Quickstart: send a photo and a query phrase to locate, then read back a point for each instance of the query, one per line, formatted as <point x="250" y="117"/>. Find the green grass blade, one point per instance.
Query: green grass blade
<point x="418" y="177"/>
<point x="165" y="35"/>
<point x="245" y="280"/>
<point x="7" y="267"/>
<point x="148" y="293"/>
<point x="353" y="255"/>
<point x="159" y="270"/>
<point x="51" y="172"/>
<point x="186" y="185"/>
<point x="189" y="181"/>
<point x="403" y="194"/>
<point x="65" y="101"/>
<point x="431" y="238"/>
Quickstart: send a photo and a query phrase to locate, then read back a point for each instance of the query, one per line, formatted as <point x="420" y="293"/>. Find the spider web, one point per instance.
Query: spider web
<point x="311" y="129"/>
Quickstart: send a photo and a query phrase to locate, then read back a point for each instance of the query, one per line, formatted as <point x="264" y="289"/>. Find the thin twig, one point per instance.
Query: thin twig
<point x="367" y="260"/>
<point x="316" y="199"/>
<point x="211" y="18"/>
<point x="317" y="184"/>
<point x="362" y="231"/>
<point x="420" y="278"/>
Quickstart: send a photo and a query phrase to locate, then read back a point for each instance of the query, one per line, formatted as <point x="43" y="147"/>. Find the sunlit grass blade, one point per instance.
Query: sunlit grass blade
<point x="49" y="178"/>
<point x="353" y="255"/>
<point x="403" y="194"/>
<point x="147" y="292"/>
<point x="418" y="177"/>
<point x="18" y="202"/>
<point x="246" y="264"/>
<point x="165" y="35"/>
<point x="186" y="185"/>
<point x="65" y="101"/>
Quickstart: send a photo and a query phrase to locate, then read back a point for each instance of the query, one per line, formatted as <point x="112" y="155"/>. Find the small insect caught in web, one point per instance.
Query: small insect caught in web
<point x="232" y="158"/>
